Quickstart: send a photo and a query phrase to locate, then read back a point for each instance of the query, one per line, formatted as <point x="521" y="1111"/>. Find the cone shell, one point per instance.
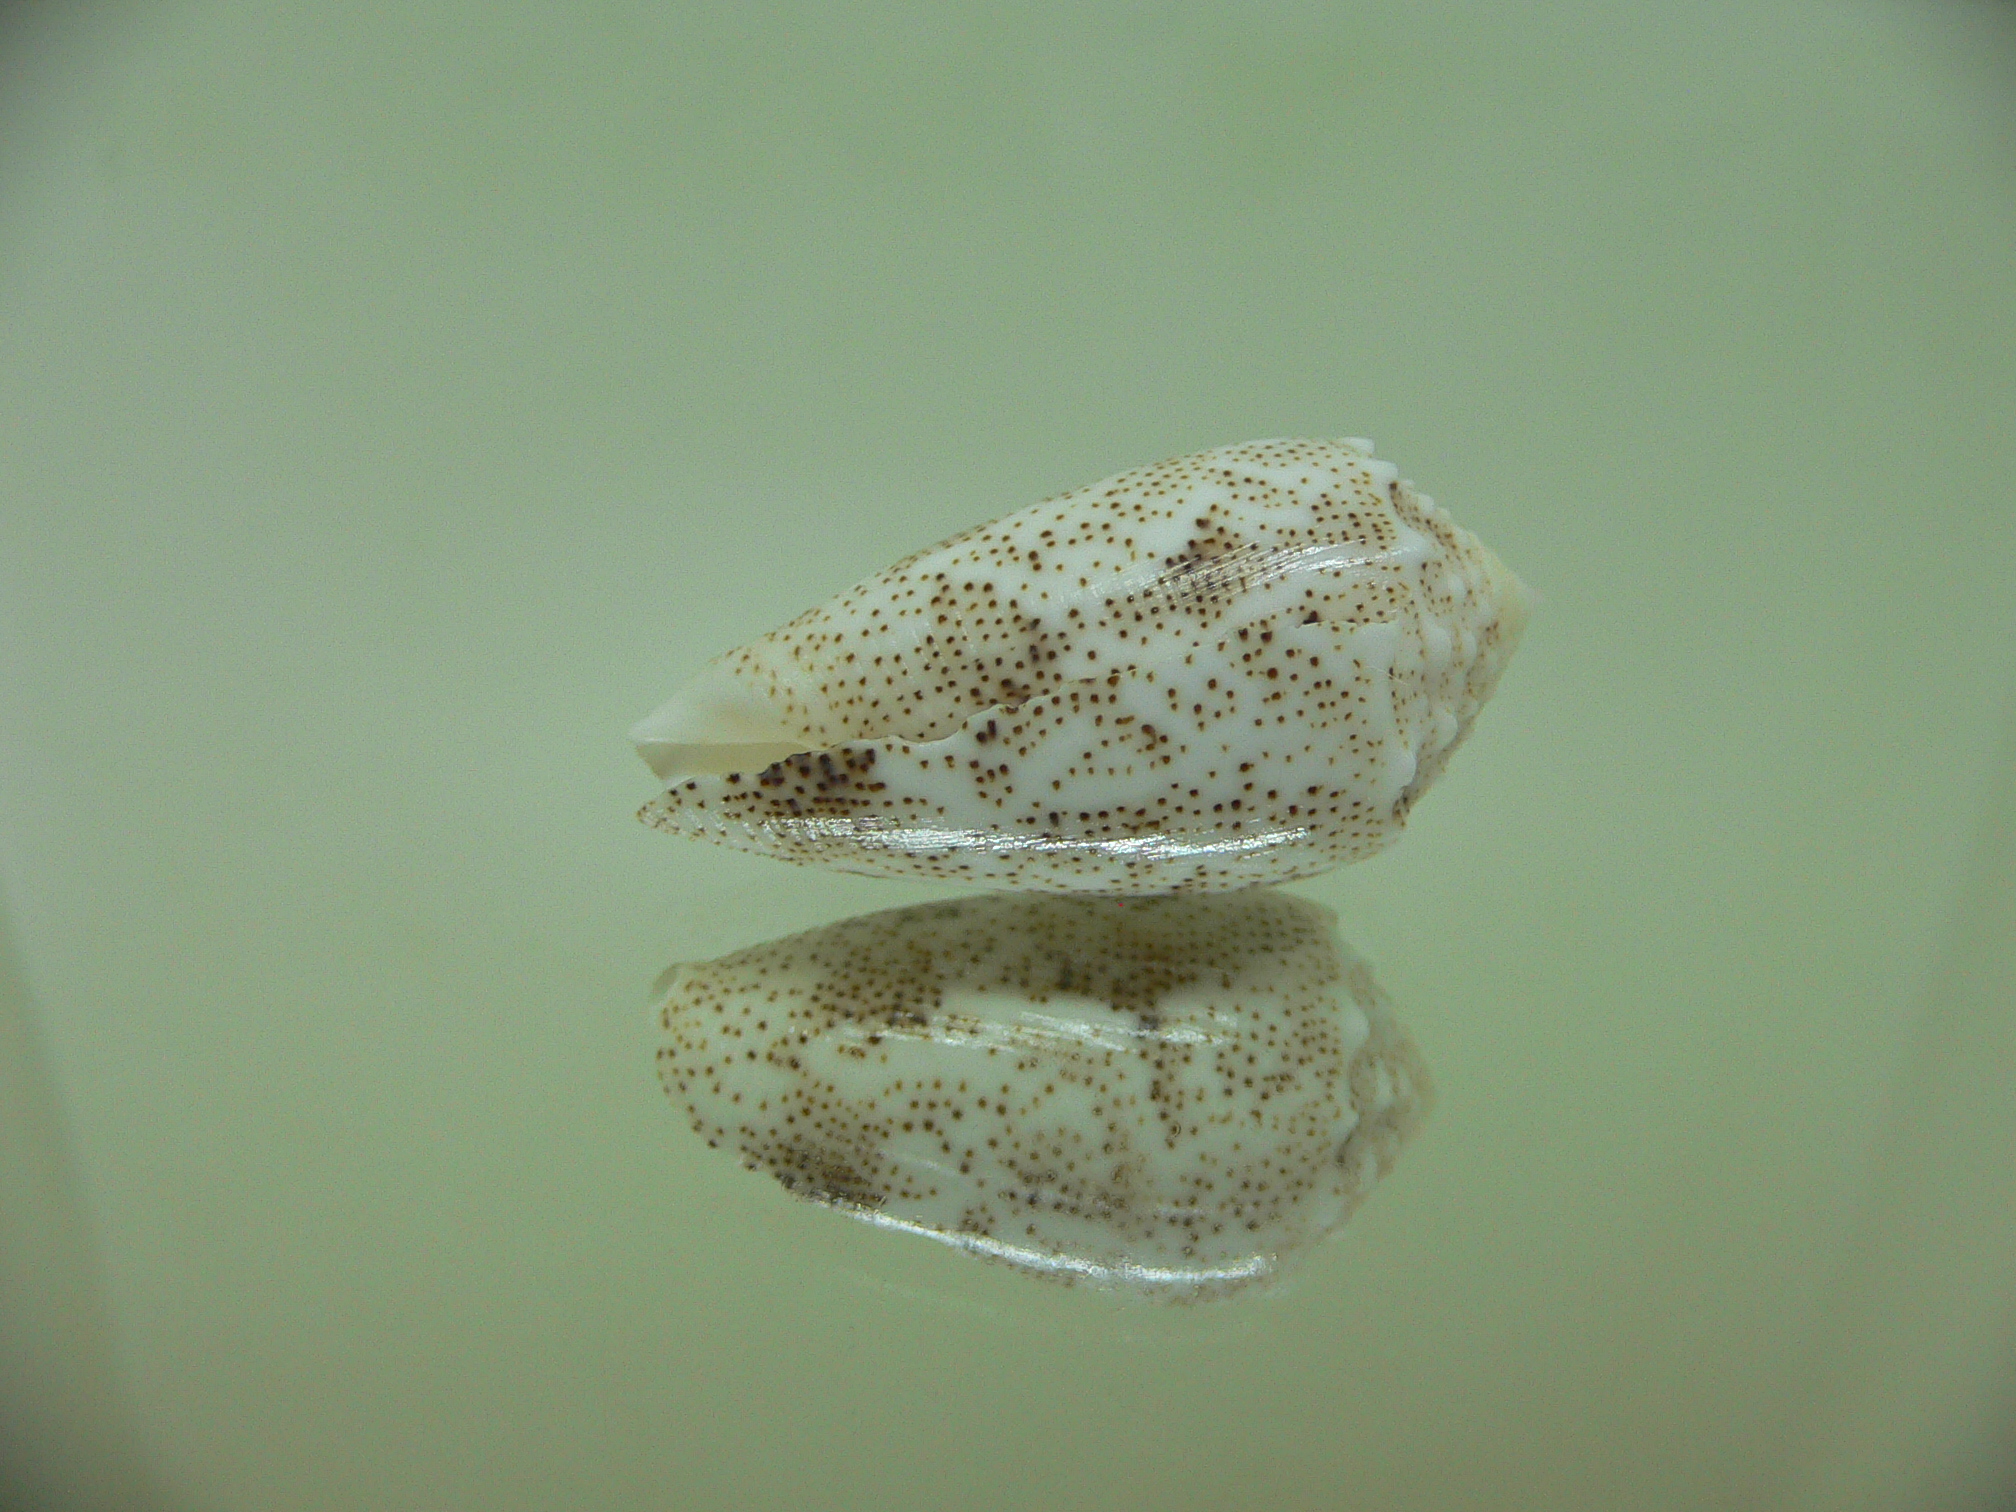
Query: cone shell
<point x="1175" y="1096"/>
<point x="1237" y="667"/>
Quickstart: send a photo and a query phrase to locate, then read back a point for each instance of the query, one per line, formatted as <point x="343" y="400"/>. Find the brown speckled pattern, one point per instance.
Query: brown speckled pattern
<point x="1173" y="1095"/>
<point x="1236" y="667"/>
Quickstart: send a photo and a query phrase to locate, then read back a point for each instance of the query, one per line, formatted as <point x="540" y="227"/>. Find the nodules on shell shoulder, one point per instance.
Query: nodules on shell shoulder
<point x="1232" y="668"/>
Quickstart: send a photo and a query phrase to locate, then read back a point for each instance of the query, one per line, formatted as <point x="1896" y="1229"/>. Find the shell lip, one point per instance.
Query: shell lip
<point x="714" y="724"/>
<point x="1099" y="1270"/>
<point x="894" y="834"/>
<point x="676" y="762"/>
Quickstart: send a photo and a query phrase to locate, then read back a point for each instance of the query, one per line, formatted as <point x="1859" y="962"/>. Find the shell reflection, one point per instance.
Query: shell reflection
<point x="1238" y="667"/>
<point x="1173" y="1095"/>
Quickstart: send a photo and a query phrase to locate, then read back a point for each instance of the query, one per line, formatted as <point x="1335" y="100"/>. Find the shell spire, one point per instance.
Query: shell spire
<point x="1237" y="667"/>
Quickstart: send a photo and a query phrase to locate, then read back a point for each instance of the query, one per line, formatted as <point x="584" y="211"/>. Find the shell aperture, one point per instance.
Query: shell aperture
<point x="1171" y="1096"/>
<point x="1237" y="667"/>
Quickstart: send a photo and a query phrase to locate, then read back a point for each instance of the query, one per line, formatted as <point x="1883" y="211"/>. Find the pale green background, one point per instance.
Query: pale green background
<point x="395" y="404"/>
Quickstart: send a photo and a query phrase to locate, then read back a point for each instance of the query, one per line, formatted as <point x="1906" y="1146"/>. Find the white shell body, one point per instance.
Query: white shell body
<point x="1177" y="1096"/>
<point x="1236" y="667"/>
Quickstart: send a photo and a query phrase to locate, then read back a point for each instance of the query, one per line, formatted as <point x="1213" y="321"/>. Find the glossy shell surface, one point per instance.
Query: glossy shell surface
<point x="1237" y="667"/>
<point x="1174" y="1096"/>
